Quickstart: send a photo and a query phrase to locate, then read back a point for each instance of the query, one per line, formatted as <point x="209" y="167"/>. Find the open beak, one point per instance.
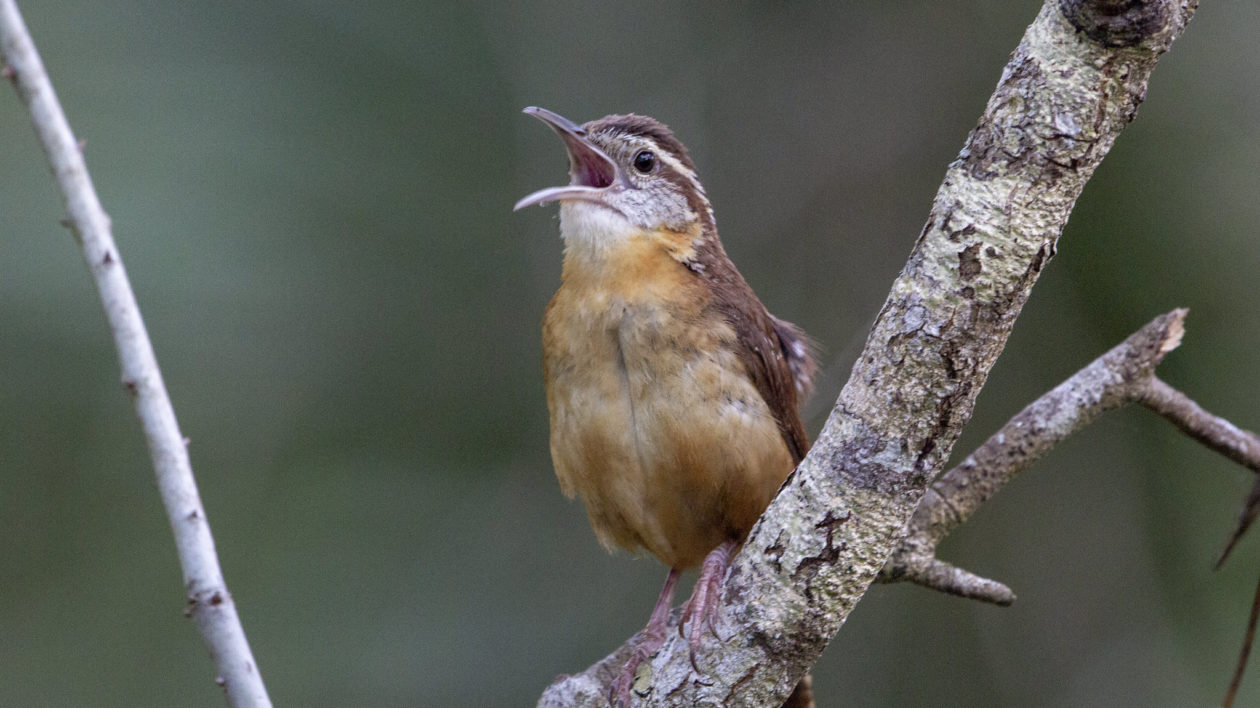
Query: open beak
<point x="592" y="174"/>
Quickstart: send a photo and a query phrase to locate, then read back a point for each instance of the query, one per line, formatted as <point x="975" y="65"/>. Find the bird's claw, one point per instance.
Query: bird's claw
<point x="704" y="607"/>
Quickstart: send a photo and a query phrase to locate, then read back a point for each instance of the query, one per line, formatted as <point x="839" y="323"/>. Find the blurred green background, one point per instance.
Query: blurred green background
<point x="313" y="200"/>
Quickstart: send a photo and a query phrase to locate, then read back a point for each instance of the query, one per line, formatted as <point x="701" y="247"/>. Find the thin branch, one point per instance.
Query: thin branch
<point x="209" y="603"/>
<point x="1071" y="87"/>
<point x="1249" y="638"/>
<point x="1245" y="518"/>
<point x="1241" y="446"/>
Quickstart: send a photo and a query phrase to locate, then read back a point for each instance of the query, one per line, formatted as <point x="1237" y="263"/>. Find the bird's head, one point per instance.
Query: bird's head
<point x="628" y="175"/>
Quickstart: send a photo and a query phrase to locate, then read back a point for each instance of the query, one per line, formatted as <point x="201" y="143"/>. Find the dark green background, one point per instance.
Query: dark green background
<point x="313" y="200"/>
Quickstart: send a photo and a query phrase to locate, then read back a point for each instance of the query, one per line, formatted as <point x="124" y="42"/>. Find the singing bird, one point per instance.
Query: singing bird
<point x="673" y="393"/>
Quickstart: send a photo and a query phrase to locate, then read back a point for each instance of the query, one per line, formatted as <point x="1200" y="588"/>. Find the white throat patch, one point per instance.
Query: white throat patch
<point x="590" y="230"/>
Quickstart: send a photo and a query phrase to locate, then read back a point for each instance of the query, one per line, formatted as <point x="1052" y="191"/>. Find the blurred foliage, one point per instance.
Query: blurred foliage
<point x="313" y="202"/>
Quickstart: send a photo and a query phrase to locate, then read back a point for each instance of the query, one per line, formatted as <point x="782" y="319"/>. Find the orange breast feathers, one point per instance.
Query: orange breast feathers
<point x="655" y="420"/>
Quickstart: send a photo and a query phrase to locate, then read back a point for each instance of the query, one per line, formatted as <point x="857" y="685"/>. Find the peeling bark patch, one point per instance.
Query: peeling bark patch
<point x="737" y="687"/>
<point x="969" y="266"/>
<point x="914" y="318"/>
<point x="945" y="413"/>
<point x="853" y="463"/>
<point x="809" y="566"/>
<point x="957" y="235"/>
<point x="949" y="351"/>
<point x="831" y="522"/>
<point x="926" y="229"/>
<point x="1039" y="260"/>
<point x="775" y="552"/>
<point x="994" y="149"/>
<point x="928" y="446"/>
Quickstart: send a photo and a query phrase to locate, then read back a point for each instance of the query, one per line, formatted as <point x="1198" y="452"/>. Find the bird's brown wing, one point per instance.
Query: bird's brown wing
<point x="776" y="354"/>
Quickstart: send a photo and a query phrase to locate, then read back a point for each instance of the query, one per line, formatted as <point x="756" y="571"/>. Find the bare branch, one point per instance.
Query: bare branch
<point x="1119" y="377"/>
<point x="1249" y="638"/>
<point x="209" y="603"/>
<point x="1070" y="88"/>
<point x="1241" y="446"/>
<point x="1245" y="518"/>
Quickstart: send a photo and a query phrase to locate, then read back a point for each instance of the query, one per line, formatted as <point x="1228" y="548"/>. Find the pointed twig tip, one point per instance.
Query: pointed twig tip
<point x="1174" y="332"/>
<point x="944" y="577"/>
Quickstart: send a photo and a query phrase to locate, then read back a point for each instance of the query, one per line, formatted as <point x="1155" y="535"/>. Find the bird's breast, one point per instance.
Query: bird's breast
<point x="654" y="421"/>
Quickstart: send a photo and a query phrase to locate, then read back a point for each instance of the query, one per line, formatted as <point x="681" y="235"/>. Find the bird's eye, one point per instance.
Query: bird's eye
<point x="644" y="161"/>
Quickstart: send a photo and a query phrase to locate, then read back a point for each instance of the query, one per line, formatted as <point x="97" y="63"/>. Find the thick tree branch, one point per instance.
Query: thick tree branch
<point x="1071" y="86"/>
<point x="209" y="603"/>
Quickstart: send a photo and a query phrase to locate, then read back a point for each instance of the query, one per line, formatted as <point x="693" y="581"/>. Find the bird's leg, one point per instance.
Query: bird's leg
<point x="705" y="600"/>
<point x="648" y="641"/>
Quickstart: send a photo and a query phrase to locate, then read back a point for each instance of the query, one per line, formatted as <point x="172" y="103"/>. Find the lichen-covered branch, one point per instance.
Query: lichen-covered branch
<point x="209" y="603"/>
<point x="1119" y="377"/>
<point x="1071" y="87"/>
<point x="1122" y="376"/>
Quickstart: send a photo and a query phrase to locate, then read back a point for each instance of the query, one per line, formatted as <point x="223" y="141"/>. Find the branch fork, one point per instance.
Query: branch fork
<point x="1124" y="375"/>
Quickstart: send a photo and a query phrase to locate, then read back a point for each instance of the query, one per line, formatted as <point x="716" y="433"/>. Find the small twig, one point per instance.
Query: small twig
<point x="1248" y="640"/>
<point x="209" y="603"/>
<point x="1219" y="434"/>
<point x="1241" y="446"/>
<point x="1245" y="518"/>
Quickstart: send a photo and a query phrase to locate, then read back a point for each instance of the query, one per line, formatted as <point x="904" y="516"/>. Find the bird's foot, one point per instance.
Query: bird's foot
<point x="645" y="644"/>
<point x="703" y="609"/>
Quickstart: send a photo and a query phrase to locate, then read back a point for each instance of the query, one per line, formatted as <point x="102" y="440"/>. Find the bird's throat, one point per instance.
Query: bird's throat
<point x="600" y="243"/>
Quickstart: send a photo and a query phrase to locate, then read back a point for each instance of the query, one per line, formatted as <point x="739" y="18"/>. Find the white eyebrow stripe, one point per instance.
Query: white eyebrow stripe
<point x="637" y="142"/>
<point x="682" y="169"/>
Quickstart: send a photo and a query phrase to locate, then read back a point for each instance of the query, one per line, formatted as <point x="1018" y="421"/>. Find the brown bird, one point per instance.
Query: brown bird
<point x="673" y="393"/>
